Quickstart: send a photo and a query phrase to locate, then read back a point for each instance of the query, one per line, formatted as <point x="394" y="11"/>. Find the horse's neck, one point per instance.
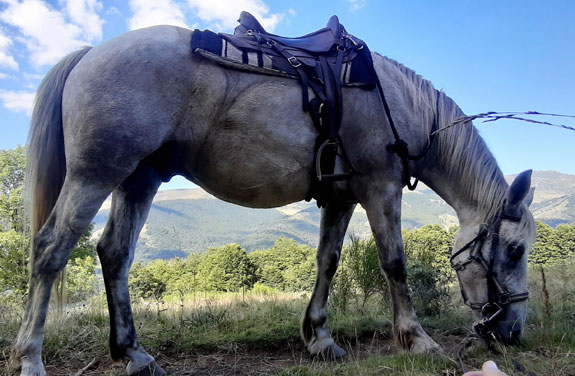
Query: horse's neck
<point x="465" y="175"/>
<point x="458" y="166"/>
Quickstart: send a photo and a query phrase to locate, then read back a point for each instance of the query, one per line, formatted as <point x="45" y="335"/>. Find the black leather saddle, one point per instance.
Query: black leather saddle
<point x="317" y="59"/>
<point x="322" y="40"/>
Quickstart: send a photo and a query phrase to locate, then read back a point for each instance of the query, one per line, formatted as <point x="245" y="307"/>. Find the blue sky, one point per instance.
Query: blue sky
<point x="486" y="55"/>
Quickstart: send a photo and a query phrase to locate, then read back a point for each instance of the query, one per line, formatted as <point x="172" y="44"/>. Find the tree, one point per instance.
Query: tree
<point x="428" y="294"/>
<point x="13" y="266"/>
<point x="565" y="235"/>
<point x="362" y="262"/>
<point x="148" y="281"/>
<point x="12" y="170"/>
<point x="431" y="245"/>
<point x="286" y="266"/>
<point x="13" y="241"/>
<point x="79" y="279"/>
<point x="226" y="268"/>
<point x="546" y="249"/>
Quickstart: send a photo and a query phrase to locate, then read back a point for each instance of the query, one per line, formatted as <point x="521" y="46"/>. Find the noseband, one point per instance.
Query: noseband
<point x="498" y="296"/>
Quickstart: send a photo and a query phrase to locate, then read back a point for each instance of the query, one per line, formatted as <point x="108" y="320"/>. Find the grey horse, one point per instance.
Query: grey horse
<point x="124" y="116"/>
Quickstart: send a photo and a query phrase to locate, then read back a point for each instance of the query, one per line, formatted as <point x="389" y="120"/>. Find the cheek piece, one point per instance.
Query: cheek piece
<point x="497" y="295"/>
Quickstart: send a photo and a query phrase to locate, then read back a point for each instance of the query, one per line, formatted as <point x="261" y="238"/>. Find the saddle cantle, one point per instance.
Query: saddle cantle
<point x="323" y="61"/>
<point x="319" y="41"/>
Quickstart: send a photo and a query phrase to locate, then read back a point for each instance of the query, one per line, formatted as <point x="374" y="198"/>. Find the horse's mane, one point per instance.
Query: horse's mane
<point x="463" y="154"/>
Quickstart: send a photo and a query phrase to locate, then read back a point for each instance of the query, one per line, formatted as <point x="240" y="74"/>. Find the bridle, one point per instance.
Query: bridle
<point x="498" y="296"/>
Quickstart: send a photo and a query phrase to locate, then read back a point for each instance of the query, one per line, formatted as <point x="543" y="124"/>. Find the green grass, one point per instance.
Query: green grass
<point x="225" y="330"/>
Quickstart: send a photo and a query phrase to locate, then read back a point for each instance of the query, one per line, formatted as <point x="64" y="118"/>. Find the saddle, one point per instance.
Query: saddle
<point x="321" y="61"/>
<point x="319" y="41"/>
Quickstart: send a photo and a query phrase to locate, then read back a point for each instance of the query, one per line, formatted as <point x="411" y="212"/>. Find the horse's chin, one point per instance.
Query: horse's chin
<point x="509" y="332"/>
<point x="506" y="331"/>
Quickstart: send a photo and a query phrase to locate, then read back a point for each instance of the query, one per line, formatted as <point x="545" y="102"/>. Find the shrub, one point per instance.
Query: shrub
<point x="423" y="280"/>
<point x="226" y="268"/>
<point x="287" y="266"/>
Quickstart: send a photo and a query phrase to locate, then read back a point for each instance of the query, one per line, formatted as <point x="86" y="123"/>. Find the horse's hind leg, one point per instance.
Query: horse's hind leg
<point x="384" y="214"/>
<point x="76" y="206"/>
<point x="334" y="221"/>
<point x="130" y="206"/>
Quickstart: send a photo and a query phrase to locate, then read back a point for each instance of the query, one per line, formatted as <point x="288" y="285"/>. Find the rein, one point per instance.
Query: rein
<point x="400" y="146"/>
<point x="497" y="295"/>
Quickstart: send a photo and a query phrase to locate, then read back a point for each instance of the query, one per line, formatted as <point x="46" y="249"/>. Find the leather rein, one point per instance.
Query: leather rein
<point x="498" y="296"/>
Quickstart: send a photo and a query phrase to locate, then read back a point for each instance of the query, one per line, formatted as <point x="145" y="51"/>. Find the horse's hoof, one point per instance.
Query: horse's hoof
<point x="423" y="344"/>
<point x="28" y="367"/>
<point x="332" y="353"/>
<point x="151" y="369"/>
<point x="326" y="349"/>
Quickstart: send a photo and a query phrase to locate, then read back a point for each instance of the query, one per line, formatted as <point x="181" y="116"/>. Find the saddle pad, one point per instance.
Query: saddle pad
<point x="357" y="73"/>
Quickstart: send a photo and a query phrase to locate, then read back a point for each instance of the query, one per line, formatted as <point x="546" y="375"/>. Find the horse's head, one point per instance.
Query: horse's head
<point x="491" y="263"/>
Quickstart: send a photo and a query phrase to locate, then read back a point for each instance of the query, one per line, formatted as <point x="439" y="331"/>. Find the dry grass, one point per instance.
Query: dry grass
<point x="255" y="334"/>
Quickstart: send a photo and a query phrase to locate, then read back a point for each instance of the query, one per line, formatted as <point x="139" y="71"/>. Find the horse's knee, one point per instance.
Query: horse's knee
<point x="327" y="263"/>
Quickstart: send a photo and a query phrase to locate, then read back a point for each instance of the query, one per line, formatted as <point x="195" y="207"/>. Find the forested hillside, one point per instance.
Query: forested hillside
<point x="190" y="221"/>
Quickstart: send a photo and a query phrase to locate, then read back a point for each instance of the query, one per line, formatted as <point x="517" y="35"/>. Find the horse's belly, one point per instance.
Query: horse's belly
<point x="256" y="157"/>
<point x="252" y="174"/>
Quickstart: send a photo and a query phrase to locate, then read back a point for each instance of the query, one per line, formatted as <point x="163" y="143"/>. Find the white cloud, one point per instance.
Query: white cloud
<point x="46" y="33"/>
<point x="6" y="59"/>
<point x="155" y="12"/>
<point x="19" y="101"/>
<point x="113" y="11"/>
<point x="223" y="14"/>
<point x="84" y="13"/>
<point x="356" y="4"/>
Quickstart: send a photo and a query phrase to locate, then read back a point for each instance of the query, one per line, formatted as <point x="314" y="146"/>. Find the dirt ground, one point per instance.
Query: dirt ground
<point x="238" y="360"/>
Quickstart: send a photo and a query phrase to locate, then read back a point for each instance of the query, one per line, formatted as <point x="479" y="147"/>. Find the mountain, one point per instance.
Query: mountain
<point x="554" y="200"/>
<point x="189" y="221"/>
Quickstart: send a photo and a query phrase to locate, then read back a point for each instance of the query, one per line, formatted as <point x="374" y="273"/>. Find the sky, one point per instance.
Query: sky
<point x="491" y="55"/>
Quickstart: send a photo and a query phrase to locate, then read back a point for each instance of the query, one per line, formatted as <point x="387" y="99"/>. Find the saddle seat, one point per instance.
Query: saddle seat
<point x="319" y="41"/>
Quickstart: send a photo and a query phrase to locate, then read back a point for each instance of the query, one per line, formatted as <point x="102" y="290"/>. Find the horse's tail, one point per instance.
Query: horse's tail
<point x="46" y="163"/>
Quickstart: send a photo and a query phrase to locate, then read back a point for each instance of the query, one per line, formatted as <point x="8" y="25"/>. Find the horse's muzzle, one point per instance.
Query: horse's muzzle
<point x="500" y="323"/>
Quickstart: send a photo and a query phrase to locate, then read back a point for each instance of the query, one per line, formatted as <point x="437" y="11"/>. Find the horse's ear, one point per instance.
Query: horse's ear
<point x="518" y="191"/>
<point x="529" y="198"/>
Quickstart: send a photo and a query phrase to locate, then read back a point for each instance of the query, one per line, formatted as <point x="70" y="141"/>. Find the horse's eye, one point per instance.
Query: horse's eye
<point x="515" y="251"/>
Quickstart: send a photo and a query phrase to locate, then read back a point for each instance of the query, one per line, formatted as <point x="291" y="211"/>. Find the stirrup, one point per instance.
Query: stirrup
<point x="334" y="144"/>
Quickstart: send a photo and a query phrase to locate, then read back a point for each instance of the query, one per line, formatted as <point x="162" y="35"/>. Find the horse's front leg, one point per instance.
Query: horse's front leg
<point x="334" y="220"/>
<point x="384" y="214"/>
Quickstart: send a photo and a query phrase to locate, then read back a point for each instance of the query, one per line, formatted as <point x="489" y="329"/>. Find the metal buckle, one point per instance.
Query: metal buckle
<point x="349" y="37"/>
<point x="483" y="327"/>
<point x="294" y="62"/>
<point x="504" y="298"/>
<point x="249" y="33"/>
